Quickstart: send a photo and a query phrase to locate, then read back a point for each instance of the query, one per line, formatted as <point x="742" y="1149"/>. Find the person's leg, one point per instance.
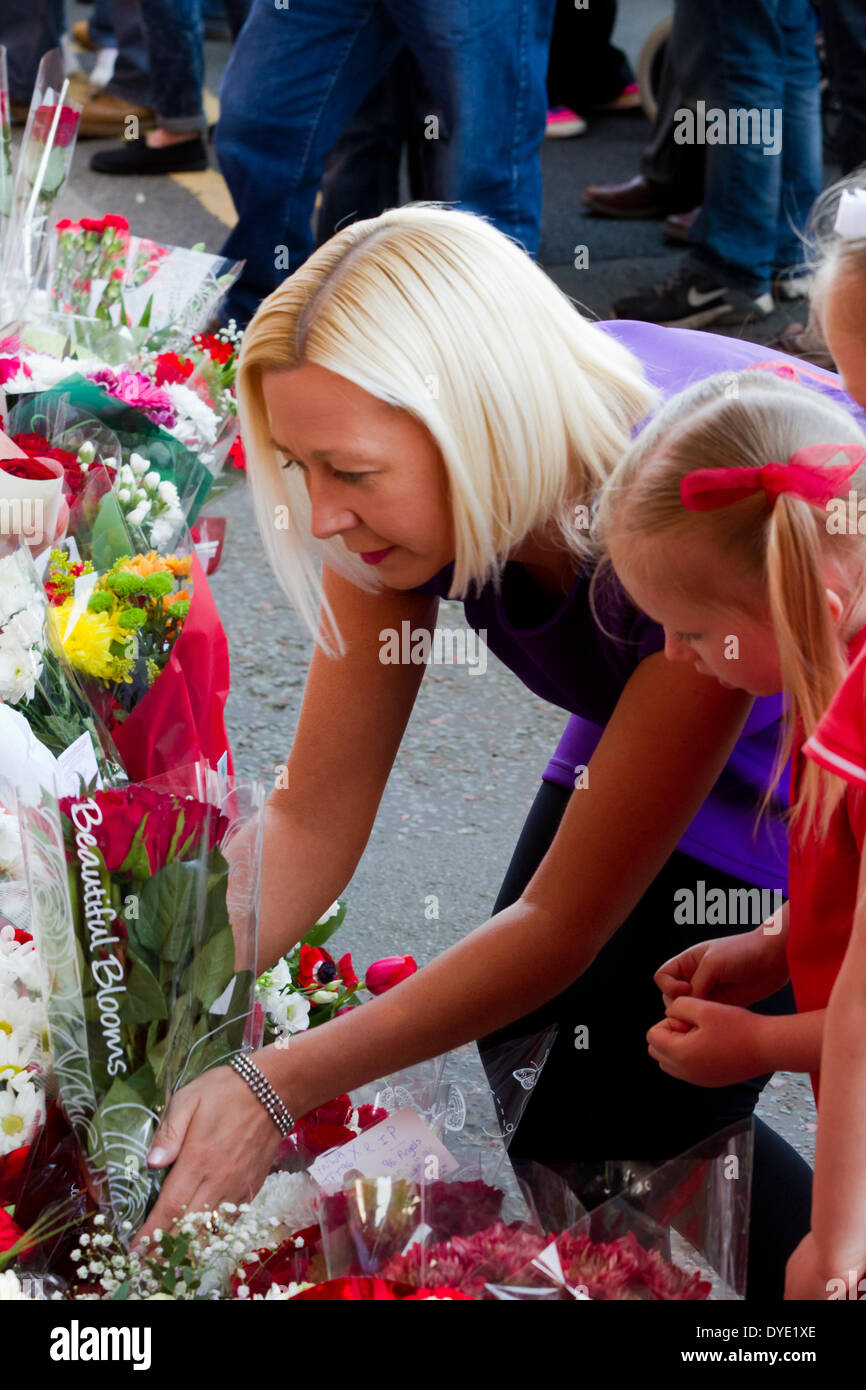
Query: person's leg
<point x="130" y="81"/>
<point x="601" y="1096"/>
<point x="28" y="28"/>
<point x="676" y="171"/>
<point x="174" y="31"/>
<point x="100" y="26"/>
<point x="802" y="145"/>
<point x="844" y="25"/>
<point x="585" y="70"/>
<point x="237" y="11"/>
<point x="362" y="171"/>
<point x="486" y="68"/>
<point x="293" y="82"/>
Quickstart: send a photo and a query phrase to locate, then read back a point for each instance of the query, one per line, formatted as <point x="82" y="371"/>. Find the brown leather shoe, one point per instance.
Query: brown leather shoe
<point x="803" y="340"/>
<point x="105" y="116"/>
<point x="635" y="198"/>
<point x="677" y="226"/>
<point x="81" y="35"/>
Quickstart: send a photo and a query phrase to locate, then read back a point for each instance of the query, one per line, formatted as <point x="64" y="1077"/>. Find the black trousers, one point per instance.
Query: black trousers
<point x="609" y="1099"/>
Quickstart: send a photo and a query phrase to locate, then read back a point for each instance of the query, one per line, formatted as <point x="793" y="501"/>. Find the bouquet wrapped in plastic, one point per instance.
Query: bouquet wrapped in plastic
<point x="148" y="981"/>
<point x="43" y="168"/>
<point x="38" y="682"/>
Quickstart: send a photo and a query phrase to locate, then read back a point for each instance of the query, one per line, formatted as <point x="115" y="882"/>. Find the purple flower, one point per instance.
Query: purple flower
<point x="137" y="390"/>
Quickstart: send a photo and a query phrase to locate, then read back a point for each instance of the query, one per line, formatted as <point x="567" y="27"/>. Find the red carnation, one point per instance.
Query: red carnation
<point x="236" y="453"/>
<point x="390" y="971"/>
<point x="114" y="219"/>
<point x="21" y="936"/>
<point x="10" y="367"/>
<point x="10" y="1233"/>
<point x="171" y="368"/>
<point x="215" y="347"/>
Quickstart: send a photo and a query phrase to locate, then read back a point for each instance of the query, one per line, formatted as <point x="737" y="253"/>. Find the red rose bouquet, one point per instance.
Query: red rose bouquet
<point x="150" y="982"/>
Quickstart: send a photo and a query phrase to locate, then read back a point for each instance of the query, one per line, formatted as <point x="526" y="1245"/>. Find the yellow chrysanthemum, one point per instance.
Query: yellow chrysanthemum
<point x="88" y="646"/>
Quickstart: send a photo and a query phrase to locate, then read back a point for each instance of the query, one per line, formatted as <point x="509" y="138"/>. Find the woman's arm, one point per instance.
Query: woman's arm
<point x="353" y="715"/>
<point x="663" y="749"/>
<point x="839" y="1196"/>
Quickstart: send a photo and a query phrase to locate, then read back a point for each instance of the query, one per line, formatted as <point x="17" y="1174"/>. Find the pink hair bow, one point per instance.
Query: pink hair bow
<point x="805" y="474"/>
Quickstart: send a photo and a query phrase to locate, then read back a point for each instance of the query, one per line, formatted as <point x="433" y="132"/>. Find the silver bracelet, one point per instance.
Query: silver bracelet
<point x="264" y="1092"/>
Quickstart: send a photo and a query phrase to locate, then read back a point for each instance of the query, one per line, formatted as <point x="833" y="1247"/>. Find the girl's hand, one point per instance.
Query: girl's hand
<point x="221" y="1143"/>
<point x="804" y="1278"/>
<point x="721" y="1045"/>
<point x="736" y="970"/>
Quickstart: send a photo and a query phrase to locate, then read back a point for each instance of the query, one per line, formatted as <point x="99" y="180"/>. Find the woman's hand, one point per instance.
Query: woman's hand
<point x="708" y="1044"/>
<point x="737" y="970"/>
<point x="221" y="1143"/>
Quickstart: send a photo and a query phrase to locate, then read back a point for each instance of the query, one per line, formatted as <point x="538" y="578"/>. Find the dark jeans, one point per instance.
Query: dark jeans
<point x="585" y="70"/>
<point x="753" y="55"/>
<point x="160" y="62"/>
<point x="362" y="172"/>
<point x="28" y="28"/>
<point x="844" y="25"/>
<point x="676" y="171"/>
<point x="611" y="1100"/>
<point x="297" y="76"/>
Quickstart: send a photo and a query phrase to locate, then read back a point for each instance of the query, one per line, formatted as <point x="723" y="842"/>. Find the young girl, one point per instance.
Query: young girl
<point x="728" y="523"/>
<point x="831" y="1260"/>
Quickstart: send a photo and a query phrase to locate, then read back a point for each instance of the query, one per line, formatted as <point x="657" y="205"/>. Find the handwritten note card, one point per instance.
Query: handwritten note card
<point x="402" y="1146"/>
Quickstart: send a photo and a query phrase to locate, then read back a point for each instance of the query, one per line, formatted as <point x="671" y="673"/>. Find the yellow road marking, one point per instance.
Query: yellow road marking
<point x="210" y="189"/>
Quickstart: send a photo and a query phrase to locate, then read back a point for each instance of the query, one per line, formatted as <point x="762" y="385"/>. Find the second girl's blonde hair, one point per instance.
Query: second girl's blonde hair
<point x="437" y="313"/>
<point x="761" y="557"/>
<point x="827" y="253"/>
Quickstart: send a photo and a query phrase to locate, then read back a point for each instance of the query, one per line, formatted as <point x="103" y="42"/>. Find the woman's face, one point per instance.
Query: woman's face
<point x="736" y="648"/>
<point x="843" y="319"/>
<point x="374" y="476"/>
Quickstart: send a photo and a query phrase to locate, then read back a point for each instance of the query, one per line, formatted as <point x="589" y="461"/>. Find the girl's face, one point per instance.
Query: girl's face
<point x="736" y="648"/>
<point x="374" y="476"/>
<point x="843" y="319"/>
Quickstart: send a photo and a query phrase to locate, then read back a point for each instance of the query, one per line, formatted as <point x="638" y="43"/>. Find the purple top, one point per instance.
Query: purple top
<point x="562" y="654"/>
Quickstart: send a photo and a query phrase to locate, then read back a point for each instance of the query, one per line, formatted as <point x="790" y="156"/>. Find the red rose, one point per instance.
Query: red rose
<point x="10" y="1233"/>
<point x="12" y="1169"/>
<point x="335" y="1112"/>
<point x="32" y="469"/>
<point x="317" y="1139"/>
<point x="66" y="126"/>
<point x="117" y="816"/>
<point x="386" y="973"/>
<point x="171" y="368"/>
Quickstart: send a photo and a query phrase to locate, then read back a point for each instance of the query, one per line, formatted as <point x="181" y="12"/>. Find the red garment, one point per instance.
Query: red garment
<point x="823" y="873"/>
<point x="181" y="718"/>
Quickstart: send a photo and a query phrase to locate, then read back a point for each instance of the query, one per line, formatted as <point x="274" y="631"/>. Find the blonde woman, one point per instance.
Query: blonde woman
<point x="437" y="420"/>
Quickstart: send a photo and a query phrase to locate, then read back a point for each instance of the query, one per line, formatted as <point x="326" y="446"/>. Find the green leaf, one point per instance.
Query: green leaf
<point x="212" y="969"/>
<point x="168" y="910"/>
<point x="144" y="1000"/>
<point x="319" y="934"/>
<point x="144" y="321"/>
<point x="137" y="863"/>
<point x="122" y="1291"/>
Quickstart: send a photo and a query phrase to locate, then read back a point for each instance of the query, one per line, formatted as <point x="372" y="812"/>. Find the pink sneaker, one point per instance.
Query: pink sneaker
<point x="562" y="122"/>
<point x="628" y="99"/>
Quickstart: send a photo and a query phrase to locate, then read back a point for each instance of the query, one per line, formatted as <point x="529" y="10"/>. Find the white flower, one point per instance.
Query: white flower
<point x="139" y="465"/>
<point x="167" y="493"/>
<point x="20" y="669"/>
<point x="191" y="406"/>
<point x="137" y="515"/>
<point x="331" y="912"/>
<point x="21" y="1022"/>
<point x="151" y="480"/>
<point x="11" y="853"/>
<point x="125" y="476"/>
<point x="123" y="494"/>
<point x="10" y="1288"/>
<point x="163" y="533"/>
<point x="87" y="452"/>
<point x="20" y="1113"/>
<point x="26" y="627"/>
<point x="290" y="1197"/>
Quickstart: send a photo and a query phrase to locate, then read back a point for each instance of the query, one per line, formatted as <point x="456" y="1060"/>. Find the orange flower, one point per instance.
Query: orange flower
<point x="173" y="598"/>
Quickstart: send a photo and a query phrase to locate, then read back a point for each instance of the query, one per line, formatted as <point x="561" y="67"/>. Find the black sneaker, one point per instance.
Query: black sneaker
<point x="137" y="157"/>
<point x="692" y="298"/>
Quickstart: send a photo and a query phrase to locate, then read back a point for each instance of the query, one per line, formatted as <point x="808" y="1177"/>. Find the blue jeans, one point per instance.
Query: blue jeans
<point x="161" y="60"/>
<point x="753" y="54"/>
<point x="297" y="76"/>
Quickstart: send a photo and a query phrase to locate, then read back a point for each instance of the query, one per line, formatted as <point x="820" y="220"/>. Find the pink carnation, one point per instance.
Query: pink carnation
<point x="138" y="390"/>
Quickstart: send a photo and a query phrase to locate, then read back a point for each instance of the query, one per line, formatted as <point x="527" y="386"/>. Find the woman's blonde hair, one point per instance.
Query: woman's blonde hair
<point x="761" y="558"/>
<point x="437" y="313"/>
<point x="827" y="253"/>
